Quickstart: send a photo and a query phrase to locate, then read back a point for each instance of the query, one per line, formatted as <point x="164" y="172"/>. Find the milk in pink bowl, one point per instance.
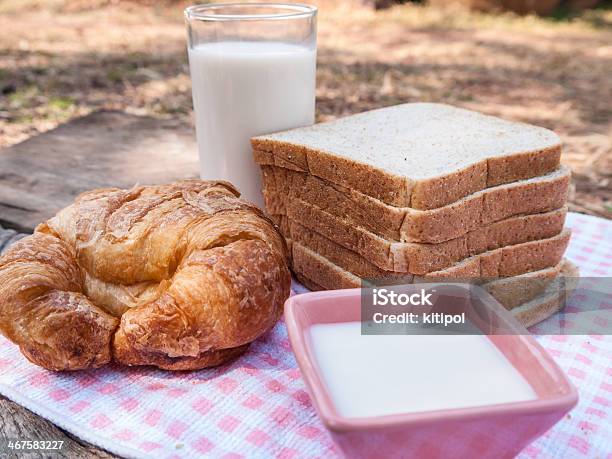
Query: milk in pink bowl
<point x="433" y="396"/>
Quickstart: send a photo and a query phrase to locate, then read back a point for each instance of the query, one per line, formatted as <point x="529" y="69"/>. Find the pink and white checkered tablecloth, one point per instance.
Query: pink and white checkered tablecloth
<point x="258" y="406"/>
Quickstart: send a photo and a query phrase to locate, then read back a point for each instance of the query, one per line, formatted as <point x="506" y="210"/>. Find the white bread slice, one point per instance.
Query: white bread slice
<point x="503" y="262"/>
<point x="360" y="266"/>
<point x="540" y="194"/>
<point x="550" y="301"/>
<point x="509" y="291"/>
<point x="418" y="155"/>
<point x="516" y="290"/>
<point x="532" y="309"/>
<point x="307" y="224"/>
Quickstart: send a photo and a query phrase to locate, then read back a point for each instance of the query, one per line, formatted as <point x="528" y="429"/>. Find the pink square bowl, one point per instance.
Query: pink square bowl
<point x="494" y="431"/>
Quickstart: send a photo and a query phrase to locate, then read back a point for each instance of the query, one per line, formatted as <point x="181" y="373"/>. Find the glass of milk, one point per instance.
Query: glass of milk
<point x="253" y="71"/>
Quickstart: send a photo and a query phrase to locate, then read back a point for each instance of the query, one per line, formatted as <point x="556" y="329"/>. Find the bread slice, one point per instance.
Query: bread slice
<point x="531" y="310"/>
<point x="418" y="155"/>
<point x="310" y="285"/>
<point x="514" y="291"/>
<point x="308" y="224"/>
<point x="550" y="301"/>
<point x="354" y="263"/>
<point x="540" y="194"/>
<point x="509" y="291"/>
<point x="503" y="262"/>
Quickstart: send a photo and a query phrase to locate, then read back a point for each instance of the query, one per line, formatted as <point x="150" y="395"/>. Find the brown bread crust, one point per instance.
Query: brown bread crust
<point x="534" y="306"/>
<point x="281" y="186"/>
<point x="324" y="234"/>
<point x="506" y="261"/>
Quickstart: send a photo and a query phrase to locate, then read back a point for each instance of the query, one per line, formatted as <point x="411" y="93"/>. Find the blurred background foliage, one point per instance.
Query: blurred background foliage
<point x="60" y="59"/>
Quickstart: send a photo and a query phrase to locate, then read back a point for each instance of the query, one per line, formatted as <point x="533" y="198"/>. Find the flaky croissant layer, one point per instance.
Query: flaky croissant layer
<point x="180" y="276"/>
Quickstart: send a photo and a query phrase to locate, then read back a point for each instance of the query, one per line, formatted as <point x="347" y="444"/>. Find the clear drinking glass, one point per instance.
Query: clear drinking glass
<point x="253" y="71"/>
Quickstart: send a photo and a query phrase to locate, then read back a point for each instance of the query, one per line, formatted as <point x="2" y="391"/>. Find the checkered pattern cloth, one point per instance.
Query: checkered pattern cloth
<point x="258" y="406"/>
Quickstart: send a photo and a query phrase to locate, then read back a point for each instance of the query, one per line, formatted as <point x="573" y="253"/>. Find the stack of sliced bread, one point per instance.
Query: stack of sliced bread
<point x="423" y="191"/>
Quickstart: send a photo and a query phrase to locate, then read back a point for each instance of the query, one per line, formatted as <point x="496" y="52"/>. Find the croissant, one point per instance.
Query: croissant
<point x="181" y="276"/>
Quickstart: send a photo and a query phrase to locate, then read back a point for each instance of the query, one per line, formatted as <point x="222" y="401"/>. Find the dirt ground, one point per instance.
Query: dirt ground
<point x="64" y="58"/>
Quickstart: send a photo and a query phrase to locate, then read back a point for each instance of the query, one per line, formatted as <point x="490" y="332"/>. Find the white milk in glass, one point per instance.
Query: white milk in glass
<point x="243" y="89"/>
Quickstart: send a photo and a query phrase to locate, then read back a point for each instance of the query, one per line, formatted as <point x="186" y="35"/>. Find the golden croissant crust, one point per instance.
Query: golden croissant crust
<point x="180" y="276"/>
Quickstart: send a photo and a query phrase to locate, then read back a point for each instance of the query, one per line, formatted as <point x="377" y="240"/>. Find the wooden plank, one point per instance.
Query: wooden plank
<point x="43" y="174"/>
<point x="17" y="423"/>
<point x="7" y="237"/>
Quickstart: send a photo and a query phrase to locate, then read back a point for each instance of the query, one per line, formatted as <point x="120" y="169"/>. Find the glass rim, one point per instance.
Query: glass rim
<point x="205" y="11"/>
